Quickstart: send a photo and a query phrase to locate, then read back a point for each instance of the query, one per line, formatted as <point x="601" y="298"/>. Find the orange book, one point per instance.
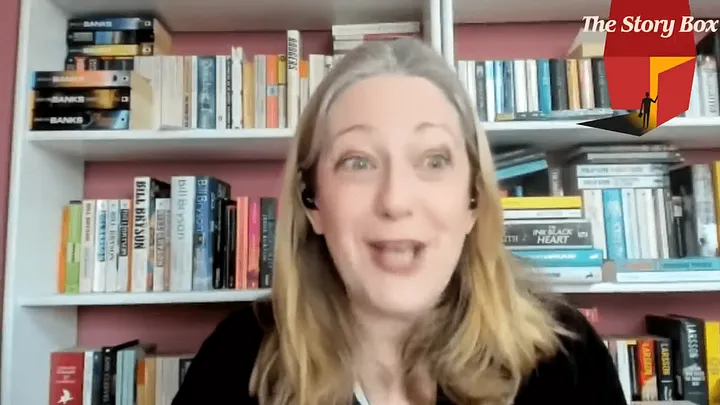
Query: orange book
<point x="241" y="250"/>
<point x="272" y="107"/>
<point x="248" y="94"/>
<point x="62" y="250"/>
<point x="304" y="69"/>
<point x="573" y="84"/>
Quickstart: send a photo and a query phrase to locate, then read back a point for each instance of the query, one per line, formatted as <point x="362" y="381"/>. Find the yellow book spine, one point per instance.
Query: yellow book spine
<point x="712" y="351"/>
<point x="541" y="203"/>
<point x="716" y="193"/>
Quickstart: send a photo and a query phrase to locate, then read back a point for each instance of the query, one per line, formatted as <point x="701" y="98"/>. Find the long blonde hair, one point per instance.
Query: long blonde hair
<point x="491" y="327"/>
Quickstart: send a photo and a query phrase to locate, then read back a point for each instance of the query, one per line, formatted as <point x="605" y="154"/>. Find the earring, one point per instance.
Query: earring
<point x="473" y="203"/>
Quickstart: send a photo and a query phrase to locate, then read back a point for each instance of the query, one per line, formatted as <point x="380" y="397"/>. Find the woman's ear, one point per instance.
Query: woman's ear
<point x="313" y="216"/>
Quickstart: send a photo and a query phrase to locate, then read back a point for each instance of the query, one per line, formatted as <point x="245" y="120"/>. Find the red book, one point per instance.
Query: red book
<point x="66" y="377"/>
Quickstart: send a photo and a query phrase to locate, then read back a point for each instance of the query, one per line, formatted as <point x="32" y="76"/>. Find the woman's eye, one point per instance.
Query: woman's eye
<point x="436" y="162"/>
<point x="355" y="163"/>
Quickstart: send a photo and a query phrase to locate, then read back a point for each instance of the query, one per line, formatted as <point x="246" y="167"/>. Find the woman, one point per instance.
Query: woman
<point x="391" y="283"/>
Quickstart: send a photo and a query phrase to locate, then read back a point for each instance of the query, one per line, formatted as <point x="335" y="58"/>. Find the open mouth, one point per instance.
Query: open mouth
<point x="397" y="256"/>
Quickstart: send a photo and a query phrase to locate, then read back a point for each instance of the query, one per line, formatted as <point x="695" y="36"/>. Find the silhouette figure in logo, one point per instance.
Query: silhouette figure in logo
<point x="645" y="106"/>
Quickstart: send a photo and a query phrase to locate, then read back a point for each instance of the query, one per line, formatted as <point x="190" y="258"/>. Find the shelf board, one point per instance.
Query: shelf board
<point x="508" y="11"/>
<point x="688" y="133"/>
<point x="272" y="144"/>
<point x="193" y="144"/>
<point x="252" y="15"/>
<point x="200" y="297"/>
<point x="638" y="288"/>
<point x="149" y="298"/>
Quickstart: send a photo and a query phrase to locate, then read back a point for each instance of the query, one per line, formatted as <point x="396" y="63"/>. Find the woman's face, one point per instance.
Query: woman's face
<point x="393" y="193"/>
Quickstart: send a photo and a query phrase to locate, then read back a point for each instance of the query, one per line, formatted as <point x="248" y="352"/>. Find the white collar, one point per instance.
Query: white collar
<point x="360" y="395"/>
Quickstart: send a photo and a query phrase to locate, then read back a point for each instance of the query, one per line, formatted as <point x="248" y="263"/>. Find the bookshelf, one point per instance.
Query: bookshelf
<point x="51" y="168"/>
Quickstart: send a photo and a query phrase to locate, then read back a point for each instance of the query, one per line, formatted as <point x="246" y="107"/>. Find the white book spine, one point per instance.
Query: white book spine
<point x="520" y="86"/>
<point x="316" y="67"/>
<point x="260" y="91"/>
<point x="623" y="182"/>
<point x="101" y="211"/>
<point x="375" y="28"/>
<point x="708" y="85"/>
<point x="594" y="212"/>
<point x="471" y="82"/>
<point x="630" y="223"/>
<point x="648" y="226"/>
<point x="124" y="246"/>
<point x="112" y="237"/>
<point x="141" y="234"/>
<point x="88" y="246"/>
<point x="181" y="235"/>
<point x="161" y="241"/>
<point x="662" y="224"/>
<point x="623" y="367"/>
<point x="694" y="109"/>
<point x="294" y="52"/>
<point x="220" y="99"/>
<point x="490" y="89"/>
<point x="193" y="92"/>
<point x="237" y="91"/>
<point x="532" y="85"/>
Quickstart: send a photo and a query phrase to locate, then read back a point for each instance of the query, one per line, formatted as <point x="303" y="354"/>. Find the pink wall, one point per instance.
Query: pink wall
<point x="8" y="47"/>
<point x="182" y="328"/>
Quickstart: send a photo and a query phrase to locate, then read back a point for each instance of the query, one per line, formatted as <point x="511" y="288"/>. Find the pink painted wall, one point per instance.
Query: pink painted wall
<point x="8" y="48"/>
<point x="182" y="328"/>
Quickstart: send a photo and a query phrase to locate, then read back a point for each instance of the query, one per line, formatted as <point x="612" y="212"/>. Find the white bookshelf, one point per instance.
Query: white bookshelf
<point x="48" y="167"/>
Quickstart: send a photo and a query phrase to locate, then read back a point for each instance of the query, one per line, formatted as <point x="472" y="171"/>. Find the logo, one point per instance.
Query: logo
<point x="649" y="62"/>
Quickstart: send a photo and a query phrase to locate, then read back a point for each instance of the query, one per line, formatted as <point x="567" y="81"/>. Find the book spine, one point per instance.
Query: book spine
<point x="490" y="90"/>
<point x="141" y="234"/>
<point x="253" y="265"/>
<point x="161" y="262"/>
<point x="75" y="248"/>
<point x="614" y="228"/>
<point x="480" y="91"/>
<point x="182" y="231"/>
<point x="206" y="92"/>
<point x="595" y="213"/>
<point x="98" y="277"/>
<point x="663" y="364"/>
<point x="559" y="84"/>
<point x="124" y="246"/>
<point x="112" y="242"/>
<point x="204" y="194"/>
<point x="267" y="237"/>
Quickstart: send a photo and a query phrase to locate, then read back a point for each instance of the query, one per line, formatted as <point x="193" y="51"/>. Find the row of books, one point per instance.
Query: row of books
<point x="576" y="89"/>
<point x="188" y="234"/>
<point x="128" y="373"/>
<point x="676" y="359"/>
<point x="639" y="206"/>
<point x="651" y="366"/>
<point x="103" y="87"/>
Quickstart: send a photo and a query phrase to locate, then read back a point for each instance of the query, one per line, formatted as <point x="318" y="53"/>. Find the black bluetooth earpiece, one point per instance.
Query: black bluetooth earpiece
<point x="473" y="198"/>
<point x="307" y="194"/>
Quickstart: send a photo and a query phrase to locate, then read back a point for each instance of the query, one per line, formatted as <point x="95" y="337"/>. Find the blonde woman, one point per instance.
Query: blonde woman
<point x="392" y="285"/>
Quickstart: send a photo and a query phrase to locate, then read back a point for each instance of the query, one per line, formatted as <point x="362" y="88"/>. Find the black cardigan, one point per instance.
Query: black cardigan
<point x="585" y="374"/>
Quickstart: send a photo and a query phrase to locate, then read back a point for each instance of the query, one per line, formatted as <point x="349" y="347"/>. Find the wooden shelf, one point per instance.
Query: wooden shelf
<point x="638" y="288"/>
<point x="273" y="144"/>
<point x="191" y="144"/>
<point x="149" y="298"/>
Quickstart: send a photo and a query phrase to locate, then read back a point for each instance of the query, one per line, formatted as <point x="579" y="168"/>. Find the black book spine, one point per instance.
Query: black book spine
<point x="267" y="240"/>
<point x="559" y="84"/>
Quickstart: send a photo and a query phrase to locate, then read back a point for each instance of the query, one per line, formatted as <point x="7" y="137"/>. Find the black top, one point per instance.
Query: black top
<point x="584" y="374"/>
